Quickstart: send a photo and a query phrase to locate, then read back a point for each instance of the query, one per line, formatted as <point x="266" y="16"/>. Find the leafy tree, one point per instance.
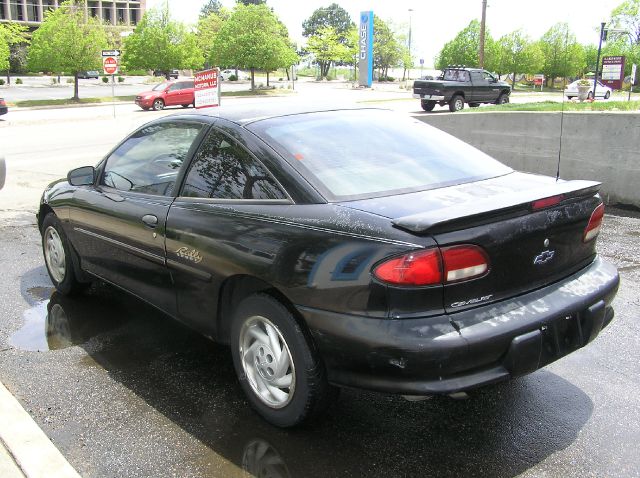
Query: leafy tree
<point x="212" y="6"/>
<point x="627" y="16"/>
<point x="252" y="2"/>
<point x="207" y="29"/>
<point x="13" y="40"/>
<point x="562" y="54"/>
<point x="518" y="54"/>
<point x="387" y="50"/>
<point x="327" y="49"/>
<point x="67" y="42"/>
<point x="464" y="49"/>
<point x="159" y="43"/>
<point x="334" y="17"/>
<point x="252" y="38"/>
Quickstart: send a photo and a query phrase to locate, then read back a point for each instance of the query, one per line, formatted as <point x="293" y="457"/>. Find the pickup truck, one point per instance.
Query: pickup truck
<point x="457" y="86"/>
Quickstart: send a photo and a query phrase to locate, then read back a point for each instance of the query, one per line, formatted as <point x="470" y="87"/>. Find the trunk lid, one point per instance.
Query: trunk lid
<point x="527" y="248"/>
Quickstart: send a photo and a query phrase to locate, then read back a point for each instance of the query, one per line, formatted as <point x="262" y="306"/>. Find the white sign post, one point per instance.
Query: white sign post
<point x="633" y="80"/>
<point x="111" y="66"/>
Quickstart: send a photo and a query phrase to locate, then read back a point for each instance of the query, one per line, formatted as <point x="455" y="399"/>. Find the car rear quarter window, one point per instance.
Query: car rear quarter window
<point x="223" y="169"/>
<point x="149" y="160"/>
<point x="355" y="154"/>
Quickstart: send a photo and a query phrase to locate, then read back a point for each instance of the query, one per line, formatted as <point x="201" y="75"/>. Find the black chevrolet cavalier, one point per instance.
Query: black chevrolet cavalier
<point x="353" y="247"/>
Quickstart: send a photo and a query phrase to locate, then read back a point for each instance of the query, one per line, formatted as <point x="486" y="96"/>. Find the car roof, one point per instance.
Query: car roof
<point x="245" y="114"/>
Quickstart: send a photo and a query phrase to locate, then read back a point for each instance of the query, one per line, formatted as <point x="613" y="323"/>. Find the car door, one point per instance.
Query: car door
<point x="480" y="87"/>
<point x="212" y="229"/>
<point x="174" y="93"/>
<point x="119" y="227"/>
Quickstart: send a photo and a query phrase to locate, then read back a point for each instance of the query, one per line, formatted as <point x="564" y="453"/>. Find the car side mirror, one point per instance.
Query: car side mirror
<point x="3" y="172"/>
<point x="84" y="176"/>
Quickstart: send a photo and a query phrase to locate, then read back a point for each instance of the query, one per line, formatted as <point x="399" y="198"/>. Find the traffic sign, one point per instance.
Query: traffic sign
<point x="110" y="53"/>
<point x="110" y="65"/>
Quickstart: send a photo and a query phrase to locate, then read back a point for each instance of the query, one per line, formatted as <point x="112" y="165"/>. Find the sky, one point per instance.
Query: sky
<point x="435" y="22"/>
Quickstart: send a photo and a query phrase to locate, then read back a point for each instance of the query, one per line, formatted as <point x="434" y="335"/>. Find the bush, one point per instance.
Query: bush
<point x="1" y="82"/>
<point x="54" y="81"/>
<point x="70" y="80"/>
<point x="105" y="79"/>
<point x="233" y="78"/>
<point x="18" y="81"/>
<point x="136" y="72"/>
<point x="120" y="79"/>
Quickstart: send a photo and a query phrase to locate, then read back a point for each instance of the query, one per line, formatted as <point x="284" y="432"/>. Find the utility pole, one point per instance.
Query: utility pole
<point x="483" y="24"/>
<point x="595" y="78"/>
<point x="410" y="10"/>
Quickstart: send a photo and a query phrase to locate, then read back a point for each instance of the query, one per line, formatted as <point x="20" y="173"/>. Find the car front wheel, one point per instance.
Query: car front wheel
<point x="502" y="99"/>
<point x="158" y="104"/>
<point x="281" y="375"/>
<point x="607" y="95"/>
<point x="57" y="257"/>
<point x="456" y="103"/>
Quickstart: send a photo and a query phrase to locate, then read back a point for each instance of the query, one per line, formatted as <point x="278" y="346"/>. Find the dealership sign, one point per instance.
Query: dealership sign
<point x="207" y="88"/>
<point x="613" y="71"/>
<point x="110" y="64"/>
<point x="365" y="58"/>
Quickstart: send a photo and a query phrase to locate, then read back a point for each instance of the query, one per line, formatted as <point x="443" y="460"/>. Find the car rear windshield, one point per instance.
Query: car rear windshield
<point x="355" y="154"/>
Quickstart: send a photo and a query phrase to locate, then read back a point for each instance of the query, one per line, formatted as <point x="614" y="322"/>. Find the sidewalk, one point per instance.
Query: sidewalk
<point x="25" y="451"/>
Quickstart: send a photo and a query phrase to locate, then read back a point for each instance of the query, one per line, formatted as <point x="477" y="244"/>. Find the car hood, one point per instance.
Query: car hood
<point x="442" y="207"/>
<point x="149" y="92"/>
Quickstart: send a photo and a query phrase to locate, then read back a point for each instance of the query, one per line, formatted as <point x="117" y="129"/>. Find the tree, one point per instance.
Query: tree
<point x="327" y="49"/>
<point x="627" y="16"/>
<point x="562" y="54"/>
<point x="207" y="30"/>
<point x="387" y="50"/>
<point x="252" y="38"/>
<point x="518" y="54"/>
<point x="13" y="41"/>
<point x="464" y="48"/>
<point x="159" y="43"/>
<point x="212" y="6"/>
<point x="67" y="42"/>
<point x="252" y="2"/>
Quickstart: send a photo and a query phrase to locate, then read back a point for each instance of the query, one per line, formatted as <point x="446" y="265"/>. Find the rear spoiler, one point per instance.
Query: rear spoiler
<point x="470" y="213"/>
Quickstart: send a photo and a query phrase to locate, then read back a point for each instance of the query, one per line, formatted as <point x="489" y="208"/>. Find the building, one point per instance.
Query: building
<point x="31" y="12"/>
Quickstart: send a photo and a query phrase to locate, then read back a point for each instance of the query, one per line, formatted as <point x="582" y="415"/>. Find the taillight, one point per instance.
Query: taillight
<point x="595" y="222"/>
<point x="434" y="266"/>
<point x="546" y="202"/>
<point x="417" y="268"/>
<point x="464" y="262"/>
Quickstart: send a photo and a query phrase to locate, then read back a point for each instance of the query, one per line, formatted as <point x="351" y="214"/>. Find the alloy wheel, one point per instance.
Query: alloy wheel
<point x="54" y="254"/>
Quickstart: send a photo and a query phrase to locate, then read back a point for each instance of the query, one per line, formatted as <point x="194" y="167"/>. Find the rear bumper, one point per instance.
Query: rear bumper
<point x="429" y="97"/>
<point x="456" y="352"/>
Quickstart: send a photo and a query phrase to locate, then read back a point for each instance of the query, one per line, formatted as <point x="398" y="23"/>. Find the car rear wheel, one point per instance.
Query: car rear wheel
<point x="57" y="257"/>
<point x="428" y="105"/>
<point x="607" y="95"/>
<point x="456" y="103"/>
<point x="158" y="104"/>
<point x="280" y="373"/>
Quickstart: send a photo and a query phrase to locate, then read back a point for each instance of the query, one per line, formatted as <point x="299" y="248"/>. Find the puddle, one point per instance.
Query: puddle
<point x="57" y="322"/>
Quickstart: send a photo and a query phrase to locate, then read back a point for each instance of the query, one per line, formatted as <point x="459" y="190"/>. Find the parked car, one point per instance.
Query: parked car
<point x="168" y="74"/>
<point x="168" y="93"/>
<point x="89" y="74"/>
<point x="4" y="109"/>
<point x="459" y="85"/>
<point x="225" y="74"/>
<point x="602" y="90"/>
<point x="345" y="248"/>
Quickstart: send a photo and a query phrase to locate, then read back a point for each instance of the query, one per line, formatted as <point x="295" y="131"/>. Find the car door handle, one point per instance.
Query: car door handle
<point x="150" y="220"/>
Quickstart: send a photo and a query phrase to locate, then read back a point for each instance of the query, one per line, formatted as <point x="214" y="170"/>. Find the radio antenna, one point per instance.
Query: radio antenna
<point x="564" y="85"/>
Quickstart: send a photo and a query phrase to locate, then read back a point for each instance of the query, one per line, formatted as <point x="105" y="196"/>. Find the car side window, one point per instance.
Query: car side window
<point x="187" y="84"/>
<point x="222" y="169"/>
<point x="175" y="86"/>
<point x="477" y="77"/>
<point x="149" y="160"/>
<point x="488" y="76"/>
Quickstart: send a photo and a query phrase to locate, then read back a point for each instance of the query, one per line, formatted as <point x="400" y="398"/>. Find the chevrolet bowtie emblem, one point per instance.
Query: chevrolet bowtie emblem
<point x="543" y="257"/>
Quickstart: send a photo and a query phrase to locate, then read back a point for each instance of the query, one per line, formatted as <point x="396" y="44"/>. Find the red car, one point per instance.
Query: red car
<point x="3" y="107"/>
<point x="168" y="93"/>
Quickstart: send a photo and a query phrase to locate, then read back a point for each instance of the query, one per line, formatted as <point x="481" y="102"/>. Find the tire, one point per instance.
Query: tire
<point x="456" y="103"/>
<point x="607" y="95"/>
<point x="570" y="97"/>
<point x="268" y="346"/>
<point x="158" y="104"/>
<point x="185" y="106"/>
<point x="57" y="257"/>
<point x="474" y="105"/>
<point x="427" y="105"/>
<point x="590" y="96"/>
<point x="502" y="99"/>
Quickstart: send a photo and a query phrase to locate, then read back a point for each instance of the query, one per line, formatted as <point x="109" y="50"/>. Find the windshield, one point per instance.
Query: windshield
<point x="356" y="154"/>
<point x="161" y="86"/>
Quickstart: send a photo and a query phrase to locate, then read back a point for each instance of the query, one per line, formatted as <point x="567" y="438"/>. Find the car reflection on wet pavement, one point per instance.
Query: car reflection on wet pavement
<point x="500" y="431"/>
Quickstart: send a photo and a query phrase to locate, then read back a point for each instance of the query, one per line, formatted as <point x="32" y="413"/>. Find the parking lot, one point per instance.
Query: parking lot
<point x="122" y="390"/>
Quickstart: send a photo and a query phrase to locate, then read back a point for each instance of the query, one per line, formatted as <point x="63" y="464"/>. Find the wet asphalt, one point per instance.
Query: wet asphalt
<point x="123" y="390"/>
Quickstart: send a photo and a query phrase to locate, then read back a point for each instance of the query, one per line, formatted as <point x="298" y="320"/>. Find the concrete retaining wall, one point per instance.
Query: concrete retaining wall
<point x="602" y="147"/>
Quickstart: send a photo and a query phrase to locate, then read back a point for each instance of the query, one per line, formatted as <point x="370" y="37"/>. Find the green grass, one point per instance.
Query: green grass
<point x="70" y="101"/>
<point x="568" y="106"/>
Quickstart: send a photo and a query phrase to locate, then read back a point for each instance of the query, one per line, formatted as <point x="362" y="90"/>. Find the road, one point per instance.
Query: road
<point x="122" y="390"/>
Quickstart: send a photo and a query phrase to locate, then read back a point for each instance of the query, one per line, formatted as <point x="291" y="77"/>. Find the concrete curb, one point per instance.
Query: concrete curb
<point x="28" y="446"/>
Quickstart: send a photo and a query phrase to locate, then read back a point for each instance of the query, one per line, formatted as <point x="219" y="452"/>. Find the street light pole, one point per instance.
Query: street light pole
<point x="482" y="33"/>
<point x="409" y="76"/>
<point x="595" y="78"/>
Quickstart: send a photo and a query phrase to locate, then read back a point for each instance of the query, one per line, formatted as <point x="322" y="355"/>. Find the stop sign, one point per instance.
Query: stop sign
<point x="110" y="65"/>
